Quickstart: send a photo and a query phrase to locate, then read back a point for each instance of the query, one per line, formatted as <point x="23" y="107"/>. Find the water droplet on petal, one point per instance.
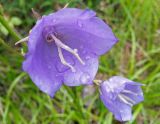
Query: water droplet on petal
<point x="88" y="57"/>
<point x="49" y="67"/>
<point x="85" y="77"/>
<point x="75" y="50"/>
<point x="54" y="20"/>
<point x="80" y="24"/>
<point x="41" y="84"/>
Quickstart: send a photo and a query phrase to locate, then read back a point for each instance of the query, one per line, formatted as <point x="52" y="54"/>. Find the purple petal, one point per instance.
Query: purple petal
<point x="71" y="13"/>
<point x="83" y="28"/>
<point x="121" y="111"/>
<point x="136" y="93"/>
<point x="40" y="64"/>
<point x="84" y="73"/>
<point x="119" y="95"/>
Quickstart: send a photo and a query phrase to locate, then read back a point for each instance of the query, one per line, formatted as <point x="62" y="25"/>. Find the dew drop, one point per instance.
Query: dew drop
<point x="88" y="57"/>
<point x="47" y="90"/>
<point x="79" y="24"/>
<point x="85" y="77"/>
<point x="41" y="84"/>
<point x="54" y="20"/>
<point x="75" y="50"/>
<point x="49" y="67"/>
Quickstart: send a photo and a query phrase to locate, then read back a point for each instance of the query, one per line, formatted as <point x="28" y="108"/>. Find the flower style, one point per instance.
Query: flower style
<point x="119" y="95"/>
<point x="64" y="47"/>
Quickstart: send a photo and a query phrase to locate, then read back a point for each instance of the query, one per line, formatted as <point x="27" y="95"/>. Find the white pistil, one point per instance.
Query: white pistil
<point x="73" y="51"/>
<point x="126" y="100"/>
<point x="22" y="40"/>
<point x="63" y="60"/>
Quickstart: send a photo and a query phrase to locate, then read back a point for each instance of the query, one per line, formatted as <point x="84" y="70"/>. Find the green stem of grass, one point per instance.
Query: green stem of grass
<point x="13" y="33"/>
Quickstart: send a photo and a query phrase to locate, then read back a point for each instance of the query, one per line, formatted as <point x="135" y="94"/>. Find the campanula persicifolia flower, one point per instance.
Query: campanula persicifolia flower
<point x="64" y="47"/>
<point x="119" y="95"/>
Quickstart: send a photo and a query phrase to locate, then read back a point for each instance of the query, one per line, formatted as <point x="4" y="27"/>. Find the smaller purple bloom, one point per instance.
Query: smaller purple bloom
<point x="119" y="95"/>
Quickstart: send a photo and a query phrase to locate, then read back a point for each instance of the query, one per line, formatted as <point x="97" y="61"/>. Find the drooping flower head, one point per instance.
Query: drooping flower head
<point x="64" y="47"/>
<point x="119" y="95"/>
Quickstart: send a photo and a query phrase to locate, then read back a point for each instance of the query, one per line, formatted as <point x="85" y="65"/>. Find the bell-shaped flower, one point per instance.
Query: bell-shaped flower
<point x="119" y="95"/>
<point x="64" y="47"/>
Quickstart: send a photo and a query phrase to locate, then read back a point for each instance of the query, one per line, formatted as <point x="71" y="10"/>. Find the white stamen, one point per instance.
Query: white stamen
<point x="63" y="60"/>
<point x="74" y="52"/>
<point x="129" y="92"/>
<point x="123" y="99"/>
<point x="128" y="99"/>
<point x="22" y="40"/>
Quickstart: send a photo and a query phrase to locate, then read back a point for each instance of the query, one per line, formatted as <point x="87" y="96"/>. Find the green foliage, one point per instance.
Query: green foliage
<point x="137" y="25"/>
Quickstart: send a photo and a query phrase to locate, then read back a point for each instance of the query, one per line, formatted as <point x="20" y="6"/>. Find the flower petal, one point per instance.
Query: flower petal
<point x="93" y="33"/>
<point x="71" y="13"/>
<point x="40" y="64"/>
<point x="84" y="74"/>
<point x="121" y="111"/>
<point x="119" y="94"/>
<point x="137" y="95"/>
<point x="82" y="27"/>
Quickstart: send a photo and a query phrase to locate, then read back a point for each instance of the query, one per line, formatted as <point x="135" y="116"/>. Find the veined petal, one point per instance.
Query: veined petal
<point x="84" y="74"/>
<point x="40" y="65"/>
<point x="119" y="94"/>
<point x="83" y="26"/>
<point x="121" y="111"/>
<point x="93" y="33"/>
<point x="136" y="92"/>
<point x="71" y="13"/>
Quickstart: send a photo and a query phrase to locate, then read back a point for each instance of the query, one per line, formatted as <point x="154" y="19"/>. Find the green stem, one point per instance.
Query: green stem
<point x="4" y="22"/>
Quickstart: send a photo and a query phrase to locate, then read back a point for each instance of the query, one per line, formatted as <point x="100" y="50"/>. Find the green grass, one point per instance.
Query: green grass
<point x="137" y="25"/>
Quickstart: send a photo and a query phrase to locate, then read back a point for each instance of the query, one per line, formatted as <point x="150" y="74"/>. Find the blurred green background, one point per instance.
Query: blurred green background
<point x="137" y="56"/>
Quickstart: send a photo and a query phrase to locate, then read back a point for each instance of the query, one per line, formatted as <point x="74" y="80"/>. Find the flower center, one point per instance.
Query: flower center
<point x="60" y="45"/>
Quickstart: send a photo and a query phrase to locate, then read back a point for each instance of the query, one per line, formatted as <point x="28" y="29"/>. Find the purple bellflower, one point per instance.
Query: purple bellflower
<point x="64" y="47"/>
<point x="119" y="95"/>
